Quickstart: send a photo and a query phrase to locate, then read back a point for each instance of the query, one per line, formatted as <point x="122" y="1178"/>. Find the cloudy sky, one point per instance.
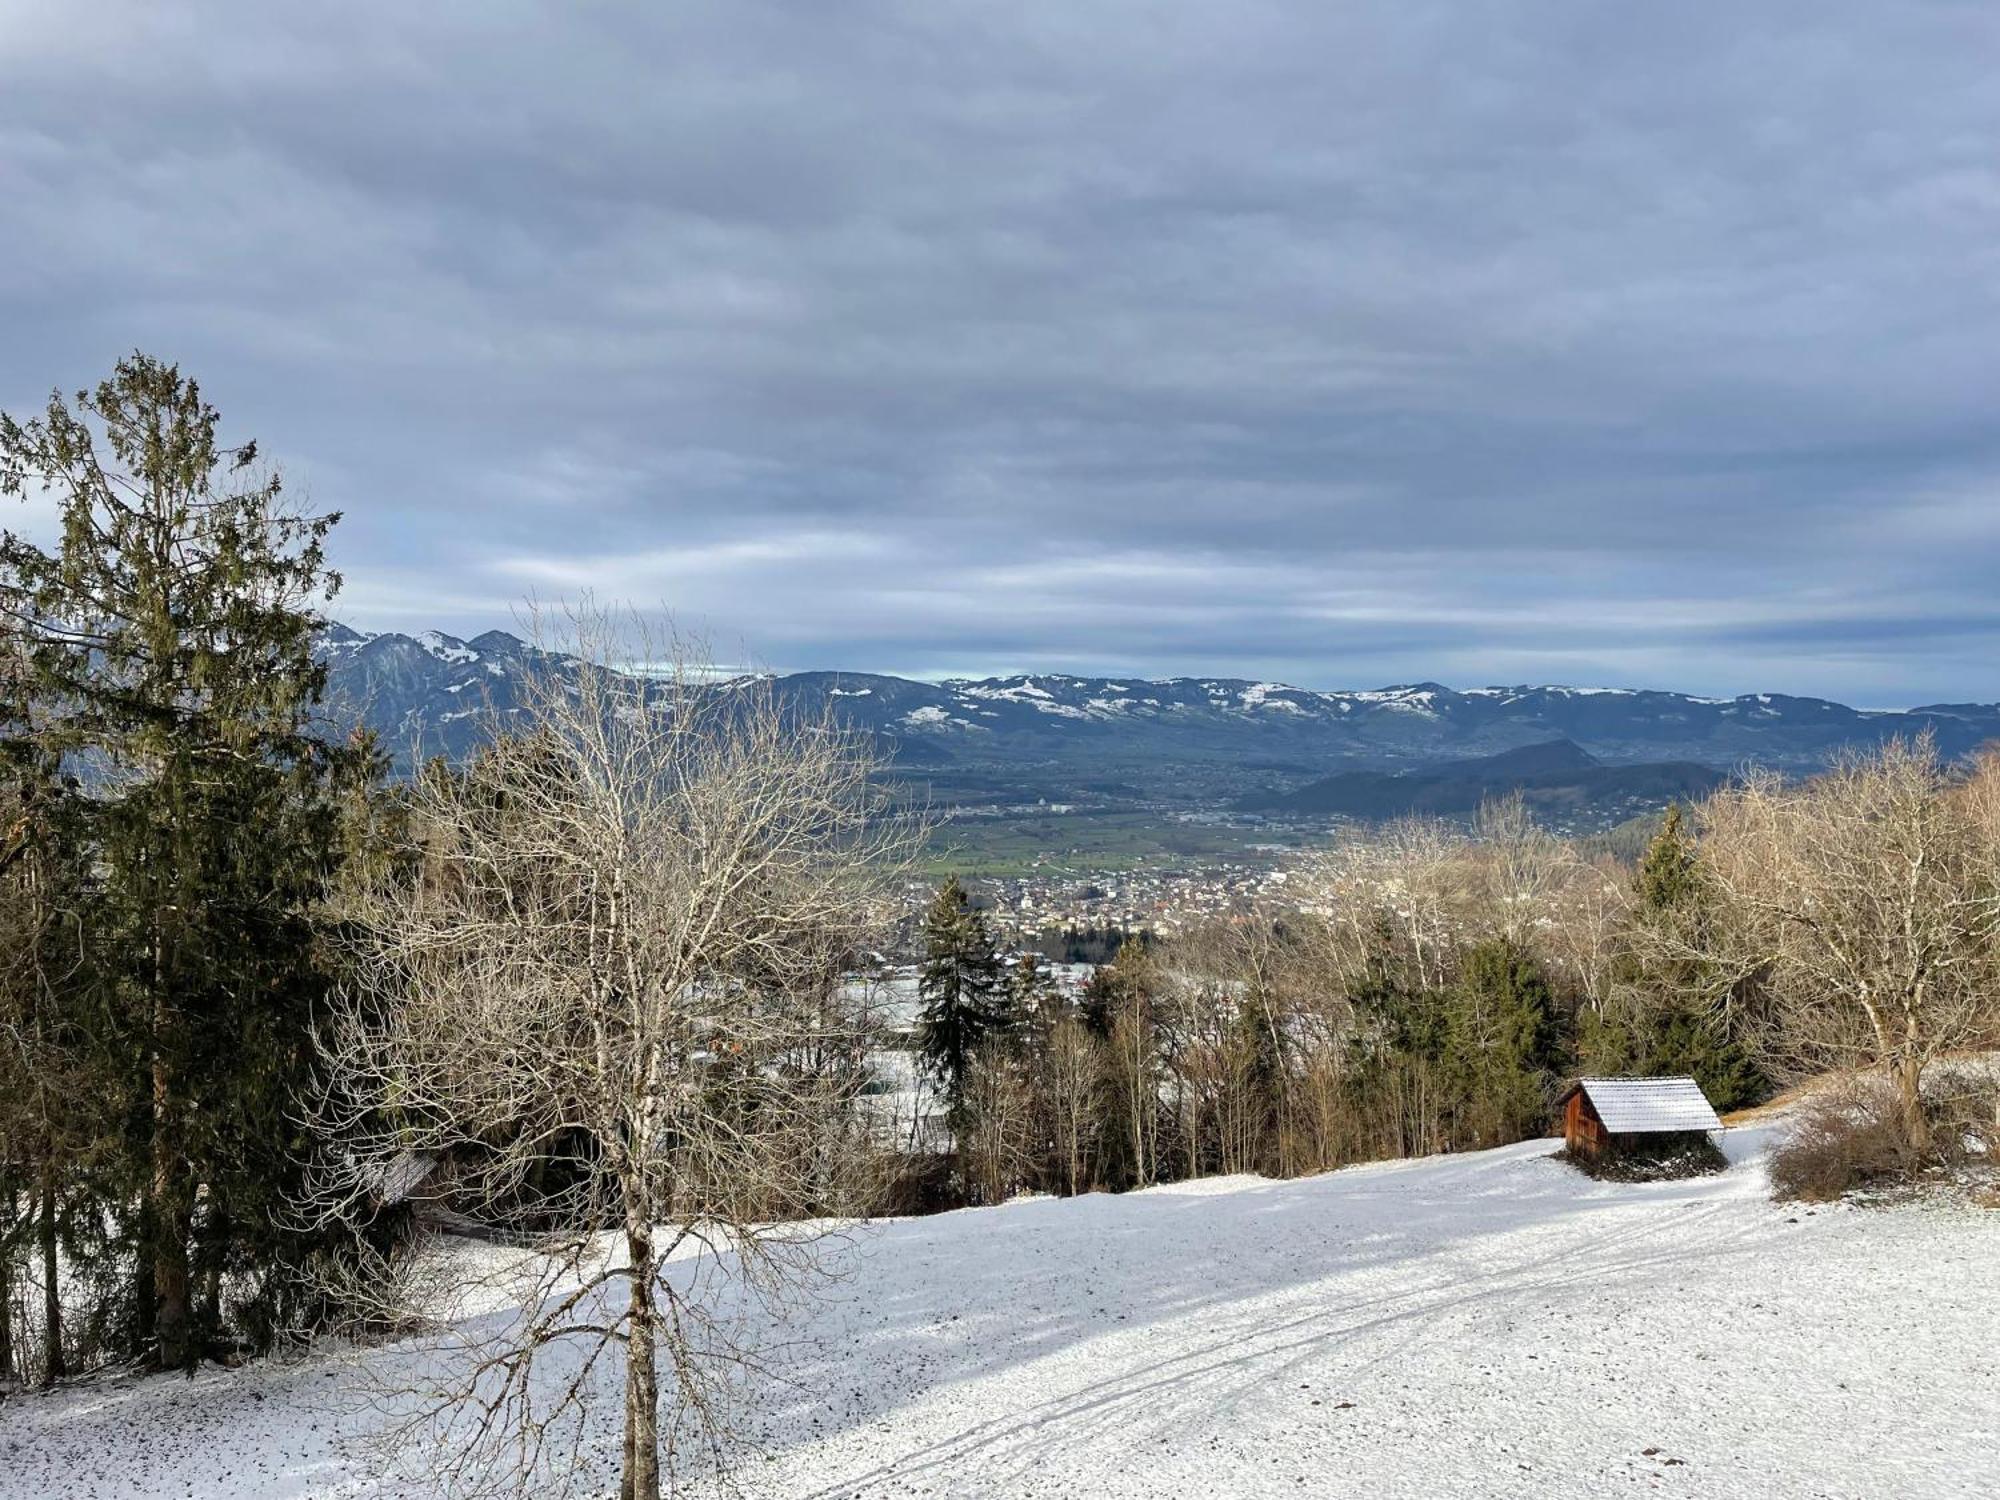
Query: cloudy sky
<point x="1343" y="344"/>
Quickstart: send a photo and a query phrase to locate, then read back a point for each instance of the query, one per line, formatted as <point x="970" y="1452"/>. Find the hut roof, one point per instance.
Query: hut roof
<point x="402" y="1175"/>
<point x="1639" y="1106"/>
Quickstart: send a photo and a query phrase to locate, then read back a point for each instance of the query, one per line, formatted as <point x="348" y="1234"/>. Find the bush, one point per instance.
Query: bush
<point x="1846" y="1138"/>
<point x="1963" y="1102"/>
<point x="915" y="1183"/>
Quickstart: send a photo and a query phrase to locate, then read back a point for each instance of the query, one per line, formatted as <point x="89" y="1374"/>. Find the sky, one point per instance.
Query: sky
<point x="1520" y="341"/>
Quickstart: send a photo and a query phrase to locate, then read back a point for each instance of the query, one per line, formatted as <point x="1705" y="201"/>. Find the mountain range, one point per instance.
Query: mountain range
<point x="1053" y="735"/>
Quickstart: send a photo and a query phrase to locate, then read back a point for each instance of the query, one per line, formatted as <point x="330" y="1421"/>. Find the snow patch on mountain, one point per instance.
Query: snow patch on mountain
<point x="1018" y="691"/>
<point x="1259" y="695"/>
<point x="1399" y="699"/>
<point x="447" y="648"/>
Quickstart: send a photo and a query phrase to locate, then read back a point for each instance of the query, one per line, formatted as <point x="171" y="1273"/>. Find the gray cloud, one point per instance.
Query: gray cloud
<point x="1341" y="344"/>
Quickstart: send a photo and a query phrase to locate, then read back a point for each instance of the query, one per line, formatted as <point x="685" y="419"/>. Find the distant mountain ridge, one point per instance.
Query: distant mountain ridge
<point x="429" y="691"/>
<point x="1552" y="777"/>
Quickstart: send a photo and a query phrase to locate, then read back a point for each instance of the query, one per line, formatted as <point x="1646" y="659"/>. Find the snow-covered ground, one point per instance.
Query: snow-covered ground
<point x="1488" y="1324"/>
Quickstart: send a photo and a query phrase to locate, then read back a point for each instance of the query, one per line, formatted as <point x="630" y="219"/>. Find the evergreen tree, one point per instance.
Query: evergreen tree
<point x="1505" y="1044"/>
<point x="1667" y="1020"/>
<point x="963" y="1000"/>
<point x="55" y="1130"/>
<point x="1034" y="1003"/>
<point x="1668" y="879"/>
<point x="1128" y="980"/>
<point x="169" y="636"/>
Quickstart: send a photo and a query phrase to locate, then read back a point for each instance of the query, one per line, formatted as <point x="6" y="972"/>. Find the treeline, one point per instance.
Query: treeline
<point x="173" y="817"/>
<point x="1080" y="945"/>
<point x="1431" y="991"/>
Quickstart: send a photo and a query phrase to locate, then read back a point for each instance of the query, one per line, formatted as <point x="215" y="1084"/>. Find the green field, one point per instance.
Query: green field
<point x="1082" y="843"/>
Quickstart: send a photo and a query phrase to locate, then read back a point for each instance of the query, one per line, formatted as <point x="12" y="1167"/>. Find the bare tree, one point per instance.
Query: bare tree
<point x="1589" y="914"/>
<point x="999" y="1114"/>
<point x="1863" y="899"/>
<point x="602" y="1021"/>
<point x="52" y="1101"/>
<point x="1072" y="1088"/>
<point x="1523" y="870"/>
<point x="1133" y="1075"/>
<point x="1397" y="897"/>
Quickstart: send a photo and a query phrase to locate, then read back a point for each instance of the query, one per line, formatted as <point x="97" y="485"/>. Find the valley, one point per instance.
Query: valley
<point x="1057" y="777"/>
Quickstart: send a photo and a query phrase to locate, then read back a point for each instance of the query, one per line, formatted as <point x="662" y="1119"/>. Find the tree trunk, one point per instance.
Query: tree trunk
<point x="172" y="1215"/>
<point x="144" y="1321"/>
<point x="54" y="1366"/>
<point x="7" y="1302"/>
<point x="641" y="1477"/>
<point x="1909" y="1075"/>
<point x="208" y="1315"/>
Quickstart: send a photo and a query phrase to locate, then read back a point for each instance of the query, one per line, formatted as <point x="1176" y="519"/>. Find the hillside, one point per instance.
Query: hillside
<point x="1489" y="1324"/>
<point x="1553" y="776"/>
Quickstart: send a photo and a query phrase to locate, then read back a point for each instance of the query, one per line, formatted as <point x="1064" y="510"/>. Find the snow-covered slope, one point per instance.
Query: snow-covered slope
<point x="1482" y="1325"/>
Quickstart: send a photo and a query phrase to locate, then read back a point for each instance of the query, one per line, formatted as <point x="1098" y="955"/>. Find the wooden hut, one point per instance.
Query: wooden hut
<point x="1606" y="1116"/>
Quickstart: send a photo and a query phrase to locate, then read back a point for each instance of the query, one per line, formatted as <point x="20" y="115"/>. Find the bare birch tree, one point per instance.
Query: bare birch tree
<point x="1133" y="1078"/>
<point x="999" y="1141"/>
<point x="1590" y="912"/>
<point x="1073" y="1086"/>
<point x="1864" y="897"/>
<point x="602" y="1022"/>
<point x="1398" y="896"/>
<point x="1523" y="868"/>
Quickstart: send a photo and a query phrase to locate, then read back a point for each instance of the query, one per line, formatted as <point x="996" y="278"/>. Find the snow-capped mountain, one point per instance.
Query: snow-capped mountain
<point x="428" y="693"/>
<point x="1415" y="723"/>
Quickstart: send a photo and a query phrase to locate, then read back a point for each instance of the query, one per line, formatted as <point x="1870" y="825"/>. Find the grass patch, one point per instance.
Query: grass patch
<point x="1086" y="842"/>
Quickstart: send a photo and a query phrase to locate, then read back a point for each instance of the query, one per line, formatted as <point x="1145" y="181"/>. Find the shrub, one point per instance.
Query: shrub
<point x="915" y="1182"/>
<point x="1845" y="1138"/>
<point x="1963" y="1101"/>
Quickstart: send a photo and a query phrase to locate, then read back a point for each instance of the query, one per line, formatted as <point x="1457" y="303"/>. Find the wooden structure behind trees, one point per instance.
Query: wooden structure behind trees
<point x="1606" y="1116"/>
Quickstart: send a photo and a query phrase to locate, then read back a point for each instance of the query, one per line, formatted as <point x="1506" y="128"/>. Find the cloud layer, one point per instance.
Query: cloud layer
<point x="1341" y="344"/>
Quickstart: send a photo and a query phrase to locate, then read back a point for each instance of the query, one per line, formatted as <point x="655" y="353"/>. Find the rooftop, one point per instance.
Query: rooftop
<point x="1637" y="1106"/>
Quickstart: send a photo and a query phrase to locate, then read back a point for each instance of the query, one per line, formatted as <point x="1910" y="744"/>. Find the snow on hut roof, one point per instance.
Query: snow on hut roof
<point x="1636" y="1106"/>
<point x="402" y="1175"/>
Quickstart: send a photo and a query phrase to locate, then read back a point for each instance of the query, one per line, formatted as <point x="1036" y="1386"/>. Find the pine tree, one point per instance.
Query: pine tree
<point x="1504" y="1043"/>
<point x="1668" y="879"/>
<point x="170" y="633"/>
<point x="54" y="1122"/>
<point x="1033" y="1001"/>
<point x="1667" y="1022"/>
<point x="963" y="1003"/>
<point x="1126" y="982"/>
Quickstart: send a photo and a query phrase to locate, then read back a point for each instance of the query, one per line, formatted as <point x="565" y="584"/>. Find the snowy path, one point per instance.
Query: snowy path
<point x="1488" y="1324"/>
